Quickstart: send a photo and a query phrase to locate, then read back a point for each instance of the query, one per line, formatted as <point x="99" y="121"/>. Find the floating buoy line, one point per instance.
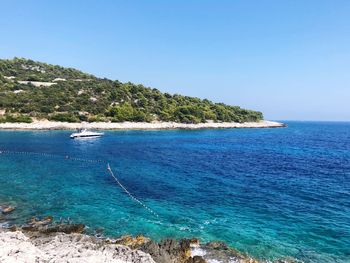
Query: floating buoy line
<point x="92" y="161"/>
<point x="50" y="155"/>
<point x="130" y="195"/>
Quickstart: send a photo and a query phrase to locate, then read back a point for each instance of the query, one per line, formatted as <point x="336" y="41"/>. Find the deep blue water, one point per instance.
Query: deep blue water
<point x="269" y="192"/>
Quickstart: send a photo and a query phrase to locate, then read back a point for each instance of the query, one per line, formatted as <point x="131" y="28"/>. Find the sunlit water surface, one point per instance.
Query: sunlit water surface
<point x="268" y="192"/>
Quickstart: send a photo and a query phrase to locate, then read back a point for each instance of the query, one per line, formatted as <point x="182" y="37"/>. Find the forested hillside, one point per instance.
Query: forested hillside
<point x="30" y="89"/>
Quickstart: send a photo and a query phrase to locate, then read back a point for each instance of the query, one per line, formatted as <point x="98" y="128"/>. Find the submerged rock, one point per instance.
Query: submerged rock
<point x="44" y="226"/>
<point x="37" y="221"/>
<point x="61" y="228"/>
<point x="68" y="229"/>
<point x="6" y="209"/>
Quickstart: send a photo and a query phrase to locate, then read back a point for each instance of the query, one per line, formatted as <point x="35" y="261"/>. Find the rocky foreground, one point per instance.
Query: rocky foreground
<point x="42" y="240"/>
<point x="44" y="244"/>
<point x="60" y="247"/>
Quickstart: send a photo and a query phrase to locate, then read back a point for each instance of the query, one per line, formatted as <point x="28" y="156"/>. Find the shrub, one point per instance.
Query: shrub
<point x="16" y="118"/>
<point x="64" y="117"/>
<point x="103" y="99"/>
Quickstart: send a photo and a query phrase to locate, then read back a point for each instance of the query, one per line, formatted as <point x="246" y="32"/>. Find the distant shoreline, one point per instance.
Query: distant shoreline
<point x="53" y="125"/>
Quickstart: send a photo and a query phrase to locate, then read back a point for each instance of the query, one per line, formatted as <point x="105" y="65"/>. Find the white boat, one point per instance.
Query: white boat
<point x="84" y="133"/>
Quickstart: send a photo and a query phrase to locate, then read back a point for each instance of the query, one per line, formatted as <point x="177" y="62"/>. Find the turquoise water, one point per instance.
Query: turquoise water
<point x="269" y="192"/>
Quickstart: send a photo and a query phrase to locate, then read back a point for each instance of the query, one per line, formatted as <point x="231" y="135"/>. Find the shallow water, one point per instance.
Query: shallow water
<point x="269" y="192"/>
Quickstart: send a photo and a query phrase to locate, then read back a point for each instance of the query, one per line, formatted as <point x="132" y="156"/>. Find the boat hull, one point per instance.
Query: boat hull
<point x="85" y="136"/>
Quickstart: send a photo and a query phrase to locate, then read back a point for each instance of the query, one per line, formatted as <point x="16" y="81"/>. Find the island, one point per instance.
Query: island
<point x="36" y="95"/>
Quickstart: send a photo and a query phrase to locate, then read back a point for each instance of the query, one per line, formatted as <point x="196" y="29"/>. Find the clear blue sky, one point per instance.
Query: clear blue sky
<point x="287" y="58"/>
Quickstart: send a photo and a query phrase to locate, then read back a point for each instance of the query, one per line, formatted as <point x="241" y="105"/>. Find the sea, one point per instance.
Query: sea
<point x="270" y="193"/>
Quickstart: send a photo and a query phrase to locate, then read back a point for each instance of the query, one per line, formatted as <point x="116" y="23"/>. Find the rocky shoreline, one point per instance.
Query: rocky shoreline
<point x="18" y="245"/>
<point x="48" y="242"/>
<point x="52" y="125"/>
<point x="44" y="240"/>
<point x="59" y="247"/>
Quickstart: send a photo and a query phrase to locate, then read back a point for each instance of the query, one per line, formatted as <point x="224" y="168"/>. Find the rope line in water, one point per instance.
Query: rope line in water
<point x="53" y="156"/>
<point x="128" y="193"/>
<point x="67" y="157"/>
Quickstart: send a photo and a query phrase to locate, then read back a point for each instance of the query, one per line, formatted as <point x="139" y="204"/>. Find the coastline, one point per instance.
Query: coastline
<point x="21" y="246"/>
<point x="41" y="245"/>
<point x="53" y="125"/>
<point x="42" y="239"/>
